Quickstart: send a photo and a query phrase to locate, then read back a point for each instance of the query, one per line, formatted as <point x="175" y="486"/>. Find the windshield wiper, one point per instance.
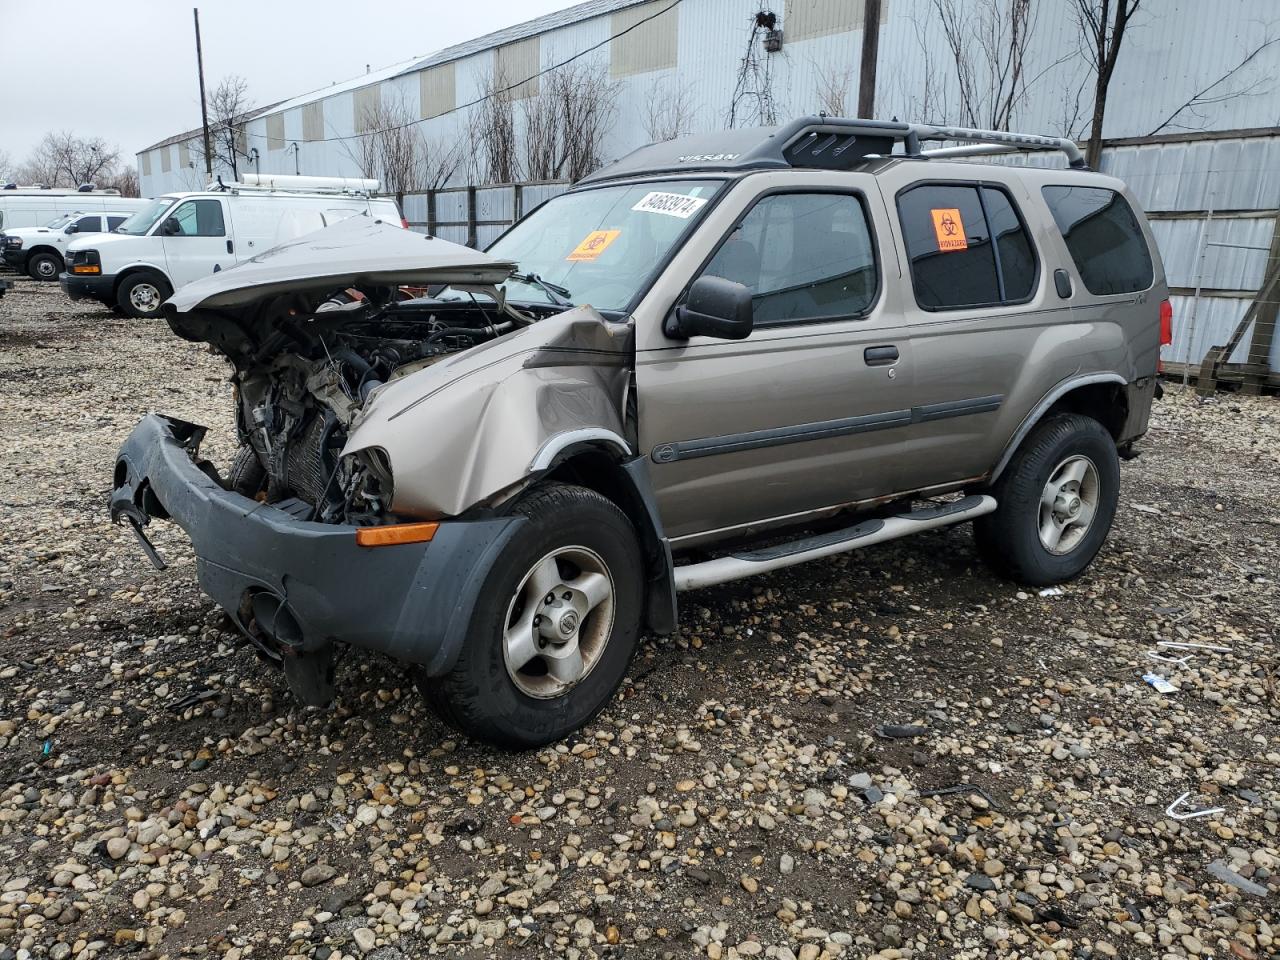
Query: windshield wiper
<point x="555" y="293"/>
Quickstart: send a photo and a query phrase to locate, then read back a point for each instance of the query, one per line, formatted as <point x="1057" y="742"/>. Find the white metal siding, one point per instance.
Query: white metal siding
<point x="437" y="90"/>
<point x="518" y="63"/>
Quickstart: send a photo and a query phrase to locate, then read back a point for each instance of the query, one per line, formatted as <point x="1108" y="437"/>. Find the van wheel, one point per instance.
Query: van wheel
<point x="1057" y="498"/>
<point x="140" y="295"/>
<point x="44" y="266"/>
<point x="555" y="627"/>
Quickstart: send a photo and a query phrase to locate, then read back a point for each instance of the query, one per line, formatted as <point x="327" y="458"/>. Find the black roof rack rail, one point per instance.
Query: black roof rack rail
<point x="827" y="143"/>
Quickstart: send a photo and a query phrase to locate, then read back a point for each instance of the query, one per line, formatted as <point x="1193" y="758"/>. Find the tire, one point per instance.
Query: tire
<point x="487" y="695"/>
<point x="140" y="295"/>
<point x="246" y="475"/>
<point x="1034" y="537"/>
<point x="44" y="267"/>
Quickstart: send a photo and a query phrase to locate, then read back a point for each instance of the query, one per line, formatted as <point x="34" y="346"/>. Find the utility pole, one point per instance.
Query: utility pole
<point x="204" y="108"/>
<point x="870" y="52"/>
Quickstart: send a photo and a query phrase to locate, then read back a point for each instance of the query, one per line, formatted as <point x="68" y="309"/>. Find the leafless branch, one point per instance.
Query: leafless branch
<point x="229" y="106"/>
<point x="66" y="160"/>
<point x="669" y="111"/>
<point x="1206" y="94"/>
<point x="987" y="42"/>
<point x="398" y="153"/>
<point x="832" y="82"/>
<point x="1102" y="25"/>
<point x="566" y="121"/>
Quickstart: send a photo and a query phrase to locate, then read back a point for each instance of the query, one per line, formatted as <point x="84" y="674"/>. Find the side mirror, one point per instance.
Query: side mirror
<point x="170" y="228"/>
<point x="716" y="307"/>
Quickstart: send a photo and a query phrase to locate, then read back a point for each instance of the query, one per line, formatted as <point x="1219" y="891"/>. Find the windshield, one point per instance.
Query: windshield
<point x="145" y="219"/>
<point x="61" y="221"/>
<point x="599" y="246"/>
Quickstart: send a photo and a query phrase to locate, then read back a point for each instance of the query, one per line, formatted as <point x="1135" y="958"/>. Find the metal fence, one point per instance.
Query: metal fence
<point x="476" y="216"/>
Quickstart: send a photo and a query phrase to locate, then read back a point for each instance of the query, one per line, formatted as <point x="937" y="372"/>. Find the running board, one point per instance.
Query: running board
<point x="747" y="564"/>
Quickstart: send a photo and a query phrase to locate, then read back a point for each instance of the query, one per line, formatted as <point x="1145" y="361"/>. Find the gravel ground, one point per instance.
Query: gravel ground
<point x="757" y="788"/>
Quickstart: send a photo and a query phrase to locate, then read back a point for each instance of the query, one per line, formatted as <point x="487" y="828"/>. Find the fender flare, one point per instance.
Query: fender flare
<point x="563" y="445"/>
<point x="1040" y="409"/>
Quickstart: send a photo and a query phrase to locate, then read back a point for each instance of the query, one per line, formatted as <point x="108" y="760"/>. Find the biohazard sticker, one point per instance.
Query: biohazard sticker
<point x="672" y="204"/>
<point x="949" y="230"/>
<point x="595" y="243"/>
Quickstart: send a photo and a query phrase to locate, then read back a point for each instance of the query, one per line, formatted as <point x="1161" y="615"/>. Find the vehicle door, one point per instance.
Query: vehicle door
<point x="978" y="305"/>
<point x="197" y="241"/>
<point x="803" y="414"/>
<point x="91" y="223"/>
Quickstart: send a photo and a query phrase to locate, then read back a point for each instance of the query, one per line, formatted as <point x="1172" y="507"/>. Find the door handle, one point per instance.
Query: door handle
<point x="880" y="356"/>
<point x="230" y="249"/>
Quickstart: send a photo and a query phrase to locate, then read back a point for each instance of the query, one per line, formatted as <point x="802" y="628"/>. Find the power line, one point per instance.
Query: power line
<point x="488" y="96"/>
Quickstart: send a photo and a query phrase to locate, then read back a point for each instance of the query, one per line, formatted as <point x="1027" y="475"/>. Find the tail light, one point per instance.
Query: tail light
<point x="1166" y="329"/>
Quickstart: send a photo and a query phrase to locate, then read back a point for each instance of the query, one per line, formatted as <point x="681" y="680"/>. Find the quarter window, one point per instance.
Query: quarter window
<point x="199" y="218"/>
<point x="948" y="231"/>
<point x="1103" y="237"/>
<point x="804" y="256"/>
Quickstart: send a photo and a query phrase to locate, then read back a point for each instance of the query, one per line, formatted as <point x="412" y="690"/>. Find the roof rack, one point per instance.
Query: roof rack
<point x="827" y="143"/>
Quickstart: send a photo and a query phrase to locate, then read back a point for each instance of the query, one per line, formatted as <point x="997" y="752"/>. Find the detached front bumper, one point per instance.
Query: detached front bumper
<point x="295" y="586"/>
<point x="88" y="287"/>
<point x="15" y="258"/>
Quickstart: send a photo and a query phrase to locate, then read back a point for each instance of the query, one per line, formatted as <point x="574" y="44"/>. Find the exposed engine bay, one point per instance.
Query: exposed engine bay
<point x="300" y="387"/>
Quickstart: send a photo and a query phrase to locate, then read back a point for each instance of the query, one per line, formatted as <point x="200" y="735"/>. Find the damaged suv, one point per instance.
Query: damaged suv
<point x="717" y="357"/>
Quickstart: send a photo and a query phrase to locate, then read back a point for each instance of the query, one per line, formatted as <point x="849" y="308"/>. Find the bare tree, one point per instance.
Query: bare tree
<point x="987" y="41"/>
<point x="832" y="82"/>
<point x="669" y="111"/>
<point x="492" y="158"/>
<point x="396" y="152"/>
<point x="752" y="103"/>
<point x="6" y="167"/>
<point x="229" y="107"/>
<point x="1222" y="89"/>
<point x="125" y="179"/>
<point x="1102" y="25"/>
<point x="65" y="160"/>
<point x="565" y="122"/>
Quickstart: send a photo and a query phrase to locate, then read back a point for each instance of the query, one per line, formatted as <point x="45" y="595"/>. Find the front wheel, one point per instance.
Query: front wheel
<point x="44" y="266"/>
<point x="141" y="294"/>
<point x="555" y="627"/>
<point x="1057" y="498"/>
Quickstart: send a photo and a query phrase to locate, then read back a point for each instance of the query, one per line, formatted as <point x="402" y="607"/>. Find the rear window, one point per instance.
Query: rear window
<point x="1104" y="238"/>
<point x="949" y="231"/>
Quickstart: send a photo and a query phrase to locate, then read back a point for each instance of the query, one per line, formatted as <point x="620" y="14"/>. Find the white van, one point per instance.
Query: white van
<point x="36" y="206"/>
<point x="181" y="237"/>
<point x="38" y="251"/>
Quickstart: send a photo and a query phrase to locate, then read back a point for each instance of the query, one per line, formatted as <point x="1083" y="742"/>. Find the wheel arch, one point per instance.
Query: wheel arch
<point x="1101" y="396"/>
<point x="45" y="248"/>
<point x="136" y="268"/>
<point x="624" y="480"/>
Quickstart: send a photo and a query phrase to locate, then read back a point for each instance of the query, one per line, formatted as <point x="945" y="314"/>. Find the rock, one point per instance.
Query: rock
<point x="979" y="881"/>
<point x="317" y="874"/>
<point x="117" y="847"/>
<point x="364" y="938"/>
<point x="786" y="864"/>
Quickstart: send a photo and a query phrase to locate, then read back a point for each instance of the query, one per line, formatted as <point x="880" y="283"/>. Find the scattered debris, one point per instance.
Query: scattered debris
<point x="1178" y="661"/>
<point x="193" y="698"/>
<point x="1175" y="810"/>
<point x="1178" y="645"/>
<point x="901" y="731"/>
<point x="1224" y="873"/>
<point x="1052" y="592"/>
<point x="1160" y="684"/>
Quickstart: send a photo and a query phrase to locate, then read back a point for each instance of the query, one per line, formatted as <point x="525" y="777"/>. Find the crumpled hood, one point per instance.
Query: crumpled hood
<point x="353" y="252"/>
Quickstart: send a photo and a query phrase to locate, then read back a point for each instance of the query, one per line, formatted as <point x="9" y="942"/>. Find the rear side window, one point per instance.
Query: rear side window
<point x="949" y="231"/>
<point x="805" y="257"/>
<point x="1104" y="238"/>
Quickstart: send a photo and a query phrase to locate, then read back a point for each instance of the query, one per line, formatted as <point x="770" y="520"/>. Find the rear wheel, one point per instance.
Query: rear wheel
<point x="141" y="294"/>
<point x="555" y="626"/>
<point x="44" y="266"/>
<point x="1057" y="498"/>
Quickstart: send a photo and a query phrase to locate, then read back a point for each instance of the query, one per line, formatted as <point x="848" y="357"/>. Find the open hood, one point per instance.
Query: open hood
<point x="358" y="251"/>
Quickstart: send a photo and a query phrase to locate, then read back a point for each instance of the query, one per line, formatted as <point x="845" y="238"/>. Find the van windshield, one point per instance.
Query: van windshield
<point x="601" y="245"/>
<point x="145" y="219"/>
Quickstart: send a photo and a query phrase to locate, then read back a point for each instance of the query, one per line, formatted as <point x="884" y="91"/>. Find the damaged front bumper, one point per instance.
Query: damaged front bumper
<point x="295" y="587"/>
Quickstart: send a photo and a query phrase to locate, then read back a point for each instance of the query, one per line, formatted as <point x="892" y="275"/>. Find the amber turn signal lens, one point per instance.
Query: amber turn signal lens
<point x="396" y="533"/>
<point x="86" y="268"/>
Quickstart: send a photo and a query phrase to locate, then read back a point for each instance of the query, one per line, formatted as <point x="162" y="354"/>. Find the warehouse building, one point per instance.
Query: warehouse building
<point x="1191" y="121"/>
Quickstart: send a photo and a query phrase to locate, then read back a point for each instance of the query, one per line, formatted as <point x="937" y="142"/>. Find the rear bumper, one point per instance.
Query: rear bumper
<point x="293" y="585"/>
<point x="87" y="287"/>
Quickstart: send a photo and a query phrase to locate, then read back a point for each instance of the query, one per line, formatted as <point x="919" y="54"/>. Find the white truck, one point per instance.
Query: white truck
<point x="35" y="206"/>
<point x="39" y="252"/>
<point x="181" y="237"/>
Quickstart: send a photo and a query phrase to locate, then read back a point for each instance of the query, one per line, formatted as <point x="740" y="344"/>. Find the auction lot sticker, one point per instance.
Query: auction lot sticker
<point x="593" y="244"/>
<point x="672" y="204"/>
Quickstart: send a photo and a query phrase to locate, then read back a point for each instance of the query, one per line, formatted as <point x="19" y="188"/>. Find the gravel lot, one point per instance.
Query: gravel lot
<point x="161" y="796"/>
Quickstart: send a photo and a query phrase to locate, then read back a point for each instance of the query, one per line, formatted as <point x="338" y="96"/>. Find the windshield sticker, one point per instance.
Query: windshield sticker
<point x="672" y="204"/>
<point x="949" y="230"/>
<point x="593" y="245"/>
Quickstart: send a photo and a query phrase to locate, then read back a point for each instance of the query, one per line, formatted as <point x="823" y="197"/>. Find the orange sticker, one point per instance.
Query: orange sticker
<point x="595" y="243"/>
<point x="949" y="229"/>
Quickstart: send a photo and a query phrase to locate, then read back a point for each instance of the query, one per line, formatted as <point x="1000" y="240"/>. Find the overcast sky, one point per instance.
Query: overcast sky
<point x="125" y="70"/>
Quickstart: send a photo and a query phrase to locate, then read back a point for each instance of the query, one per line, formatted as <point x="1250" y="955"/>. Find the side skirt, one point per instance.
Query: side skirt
<point x="749" y="563"/>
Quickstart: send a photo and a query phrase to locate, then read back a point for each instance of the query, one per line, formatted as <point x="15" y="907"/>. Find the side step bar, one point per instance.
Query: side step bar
<point x="749" y="563"/>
